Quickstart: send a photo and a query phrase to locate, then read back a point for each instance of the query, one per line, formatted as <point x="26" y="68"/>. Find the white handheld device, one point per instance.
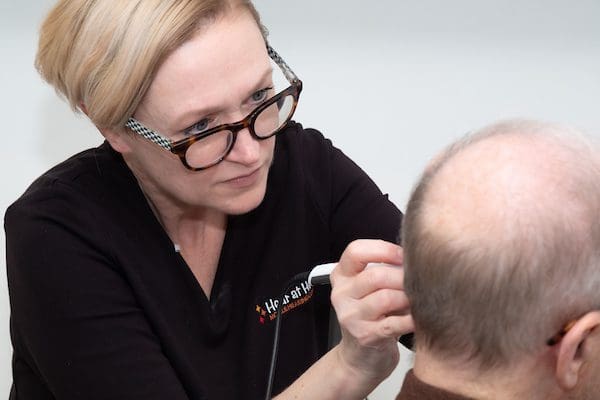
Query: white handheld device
<point x="319" y="275"/>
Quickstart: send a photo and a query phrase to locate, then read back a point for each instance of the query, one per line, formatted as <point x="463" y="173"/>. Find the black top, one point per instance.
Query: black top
<point x="103" y="307"/>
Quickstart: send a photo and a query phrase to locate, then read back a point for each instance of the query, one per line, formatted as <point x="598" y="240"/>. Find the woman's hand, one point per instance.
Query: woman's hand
<point x="373" y="313"/>
<point x="372" y="309"/>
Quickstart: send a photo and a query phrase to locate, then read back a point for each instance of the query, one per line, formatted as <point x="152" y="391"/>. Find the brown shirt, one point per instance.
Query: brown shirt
<point x="414" y="389"/>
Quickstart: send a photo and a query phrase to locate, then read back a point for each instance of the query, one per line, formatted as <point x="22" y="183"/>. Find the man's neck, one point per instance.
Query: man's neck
<point x="522" y="381"/>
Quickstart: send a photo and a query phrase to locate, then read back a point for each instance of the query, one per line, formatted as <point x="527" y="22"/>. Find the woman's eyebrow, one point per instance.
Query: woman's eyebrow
<point x="260" y="82"/>
<point x="182" y="121"/>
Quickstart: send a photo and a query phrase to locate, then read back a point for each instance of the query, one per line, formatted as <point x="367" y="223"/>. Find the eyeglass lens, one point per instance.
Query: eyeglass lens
<point x="269" y="121"/>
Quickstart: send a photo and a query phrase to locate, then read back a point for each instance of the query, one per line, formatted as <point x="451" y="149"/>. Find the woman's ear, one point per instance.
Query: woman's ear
<point x="574" y="350"/>
<point x="117" y="140"/>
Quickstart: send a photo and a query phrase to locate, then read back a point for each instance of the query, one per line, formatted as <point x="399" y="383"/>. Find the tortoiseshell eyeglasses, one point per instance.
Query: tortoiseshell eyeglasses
<point x="209" y="147"/>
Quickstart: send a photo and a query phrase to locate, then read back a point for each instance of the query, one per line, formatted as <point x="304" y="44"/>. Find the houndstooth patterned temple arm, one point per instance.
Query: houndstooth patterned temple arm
<point x="149" y="134"/>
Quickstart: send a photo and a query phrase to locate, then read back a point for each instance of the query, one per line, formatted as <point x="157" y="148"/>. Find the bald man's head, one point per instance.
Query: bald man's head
<point x="501" y="241"/>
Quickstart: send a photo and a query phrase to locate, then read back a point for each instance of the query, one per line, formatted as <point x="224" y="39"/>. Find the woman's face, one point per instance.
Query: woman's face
<point x="218" y="75"/>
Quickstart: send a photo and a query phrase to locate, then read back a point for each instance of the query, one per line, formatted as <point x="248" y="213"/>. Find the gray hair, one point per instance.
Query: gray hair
<point x="502" y="241"/>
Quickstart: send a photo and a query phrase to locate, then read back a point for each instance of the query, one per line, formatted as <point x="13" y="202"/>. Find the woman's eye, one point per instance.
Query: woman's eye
<point x="198" y="127"/>
<point x="261" y="95"/>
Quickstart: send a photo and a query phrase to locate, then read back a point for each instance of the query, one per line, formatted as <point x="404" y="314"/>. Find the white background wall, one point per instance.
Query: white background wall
<point x="389" y="81"/>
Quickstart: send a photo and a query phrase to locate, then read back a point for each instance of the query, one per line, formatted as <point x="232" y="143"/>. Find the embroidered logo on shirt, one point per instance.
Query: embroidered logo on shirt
<point x="295" y="297"/>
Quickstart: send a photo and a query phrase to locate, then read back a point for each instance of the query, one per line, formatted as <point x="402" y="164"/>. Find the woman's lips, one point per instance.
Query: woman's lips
<point x="243" y="181"/>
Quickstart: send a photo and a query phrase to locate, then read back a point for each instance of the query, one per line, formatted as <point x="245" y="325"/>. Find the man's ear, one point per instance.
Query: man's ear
<point x="574" y="351"/>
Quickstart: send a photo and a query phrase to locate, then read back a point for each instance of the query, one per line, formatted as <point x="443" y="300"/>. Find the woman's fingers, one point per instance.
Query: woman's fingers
<point x="364" y="299"/>
<point x="361" y="252"/>
<point x="373" y="278"/>
<point x="371" y="305"/>
<point x="362" y="318"/>
<point x="394" y="326"/>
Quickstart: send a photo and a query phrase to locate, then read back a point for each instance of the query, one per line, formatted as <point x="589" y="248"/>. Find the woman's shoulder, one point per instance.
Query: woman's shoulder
<point x="310" y="151"/>
<point x="76" y="186"/>
<point x="87" y="173"/>
<point x="295" y="133"/>
<point x="304" y="148"/>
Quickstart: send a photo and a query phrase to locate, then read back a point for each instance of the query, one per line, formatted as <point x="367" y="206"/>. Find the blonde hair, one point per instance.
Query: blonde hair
<point x="102" y="56"/>
<point x="518" y="253"/>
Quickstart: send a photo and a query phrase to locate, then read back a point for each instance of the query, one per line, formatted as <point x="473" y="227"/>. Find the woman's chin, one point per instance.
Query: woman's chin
<point x="244" y="203"/>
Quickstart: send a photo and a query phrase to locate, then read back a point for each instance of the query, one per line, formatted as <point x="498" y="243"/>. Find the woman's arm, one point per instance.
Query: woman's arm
<point x="77" y="328"/>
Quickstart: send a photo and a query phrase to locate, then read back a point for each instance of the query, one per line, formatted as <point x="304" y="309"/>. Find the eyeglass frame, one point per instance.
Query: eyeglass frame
<point x="180" y="147"/>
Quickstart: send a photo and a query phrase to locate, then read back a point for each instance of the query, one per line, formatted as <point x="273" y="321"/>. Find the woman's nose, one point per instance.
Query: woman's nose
<point x="246" y="149"/>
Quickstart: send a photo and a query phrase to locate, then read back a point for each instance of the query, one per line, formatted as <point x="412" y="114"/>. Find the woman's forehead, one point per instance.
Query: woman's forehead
<point x="226" y="59"/>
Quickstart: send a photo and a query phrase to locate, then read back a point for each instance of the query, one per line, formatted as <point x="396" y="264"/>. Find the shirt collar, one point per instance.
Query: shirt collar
<point x="415" y="389"/>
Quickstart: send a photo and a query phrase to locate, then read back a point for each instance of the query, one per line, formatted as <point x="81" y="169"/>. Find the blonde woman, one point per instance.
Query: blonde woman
<point x="150" y="267"/>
